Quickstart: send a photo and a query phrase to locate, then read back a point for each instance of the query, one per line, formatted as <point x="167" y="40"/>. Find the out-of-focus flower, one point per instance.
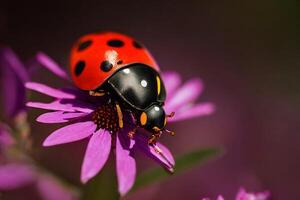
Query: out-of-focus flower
<point x="181" y="98"/>
<point x="244" y="195"/>
<point x="76" y="109"/>
<point x="17" y="170"/>
<point x="5" y="138"/>
<point x="13" y="76"/>
<point x="16" y="174"/>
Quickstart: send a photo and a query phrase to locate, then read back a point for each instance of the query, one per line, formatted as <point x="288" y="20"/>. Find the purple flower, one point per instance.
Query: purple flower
<point x="17" y="174"/>
<point x="78" y="109"/>
<point x="13" y="76"/>
<point x="5" y="138"/>
<point x="243" y="195"/>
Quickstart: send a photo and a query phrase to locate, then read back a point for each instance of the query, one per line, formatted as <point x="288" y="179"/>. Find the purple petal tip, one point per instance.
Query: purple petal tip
<point x="51" y="65"/>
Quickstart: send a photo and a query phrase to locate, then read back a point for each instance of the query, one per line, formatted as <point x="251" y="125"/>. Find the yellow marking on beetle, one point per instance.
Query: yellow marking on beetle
<point x="96" y="94"/>
<point x="143" y="118"/>
<point x="120" y="115"/>
<point x="158" y="85"/>
<point x="156" y="129"/>
<point x="165" y="122"/>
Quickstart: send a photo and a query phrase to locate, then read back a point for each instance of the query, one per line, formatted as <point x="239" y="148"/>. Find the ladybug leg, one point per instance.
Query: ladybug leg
<point x="172" y="133"/>
<point x="171" y="114"/>
<point x="97" y="93"/>
<point x="120" y="115"/>
<point x="160" y="152"/>
<point x="153" y="138"/>
<point x="132" y="133"/>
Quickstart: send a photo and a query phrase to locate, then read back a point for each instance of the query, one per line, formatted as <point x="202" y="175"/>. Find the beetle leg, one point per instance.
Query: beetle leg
<point x="160" y="152"/>
<point x="172" y="133"/>
<point x="120" y="115"/>
<point x="171" y="114"/>
<point x="154" y="138"/>
<point x="131" y="133"/>
<point x="97" y="93"/>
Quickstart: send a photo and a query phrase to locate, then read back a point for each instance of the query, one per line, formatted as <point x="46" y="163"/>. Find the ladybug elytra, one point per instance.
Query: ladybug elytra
<point x="116" y="65"/>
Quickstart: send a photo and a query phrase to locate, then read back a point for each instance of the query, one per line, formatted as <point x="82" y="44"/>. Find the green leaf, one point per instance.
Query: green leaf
<point x="183" y="163"/>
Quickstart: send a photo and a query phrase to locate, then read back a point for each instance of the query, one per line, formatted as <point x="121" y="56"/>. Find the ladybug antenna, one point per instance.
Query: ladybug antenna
<point x="172" y="133"/>
<point x="171" y="114"/>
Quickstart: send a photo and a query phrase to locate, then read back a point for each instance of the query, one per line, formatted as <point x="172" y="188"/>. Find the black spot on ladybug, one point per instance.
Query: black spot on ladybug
<point x="79" y="67"/>
<point x="106" y="66"/>
<point x="83" y="45"/>
<point x="137" y="45"/>
<point x="120" y="62"/>
<point x="115" y="43"/>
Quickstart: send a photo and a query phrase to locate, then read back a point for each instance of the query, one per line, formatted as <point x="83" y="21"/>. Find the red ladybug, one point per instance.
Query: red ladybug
<point x="116" y="65"/>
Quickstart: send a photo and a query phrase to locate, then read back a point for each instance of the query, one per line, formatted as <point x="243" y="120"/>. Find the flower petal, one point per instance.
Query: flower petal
<point x="51" y="65"/>
<point x="55" y="105"/>
<point x="171" y="80"/>
<point x="70" y="133"/>
<point x="165" y="156"/>
<point x="10" y="59"/>
<point x="96" y="154"/>
<point x="186" y="94"/>
<point x="220" y="198"/>
<point x="39" y="87"/>
<point x="12" y="89"/>
<point x="12" y="93"/>
<point x="126" y="166"/>
<point x="197" y="110"/>
<point x="244" y="195"/>
<point x="158" y="152"/>
<point x="58" y="117"/>
<point x="63" y="105"/>
<point x="14" y="176"/>
<point x="51" y="189"/>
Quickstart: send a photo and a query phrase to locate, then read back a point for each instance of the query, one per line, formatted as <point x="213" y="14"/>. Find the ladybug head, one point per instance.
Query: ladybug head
<point x="154" y="119"/>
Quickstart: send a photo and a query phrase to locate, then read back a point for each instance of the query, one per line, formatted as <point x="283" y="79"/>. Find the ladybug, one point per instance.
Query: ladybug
<point x="115" y="65"/>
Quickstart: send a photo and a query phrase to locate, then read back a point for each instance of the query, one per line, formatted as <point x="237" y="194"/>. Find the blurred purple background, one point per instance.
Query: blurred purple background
<point x="246" y="52"/>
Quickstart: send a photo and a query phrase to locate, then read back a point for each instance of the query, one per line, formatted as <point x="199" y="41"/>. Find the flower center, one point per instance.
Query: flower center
<point x="106" y="117"/>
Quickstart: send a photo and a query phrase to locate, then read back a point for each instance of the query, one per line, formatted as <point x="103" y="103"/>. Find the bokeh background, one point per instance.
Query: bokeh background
<point x="247" y="54"/>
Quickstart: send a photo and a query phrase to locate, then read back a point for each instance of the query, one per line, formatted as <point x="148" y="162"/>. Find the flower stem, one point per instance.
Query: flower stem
<point x="103" y="186"/>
